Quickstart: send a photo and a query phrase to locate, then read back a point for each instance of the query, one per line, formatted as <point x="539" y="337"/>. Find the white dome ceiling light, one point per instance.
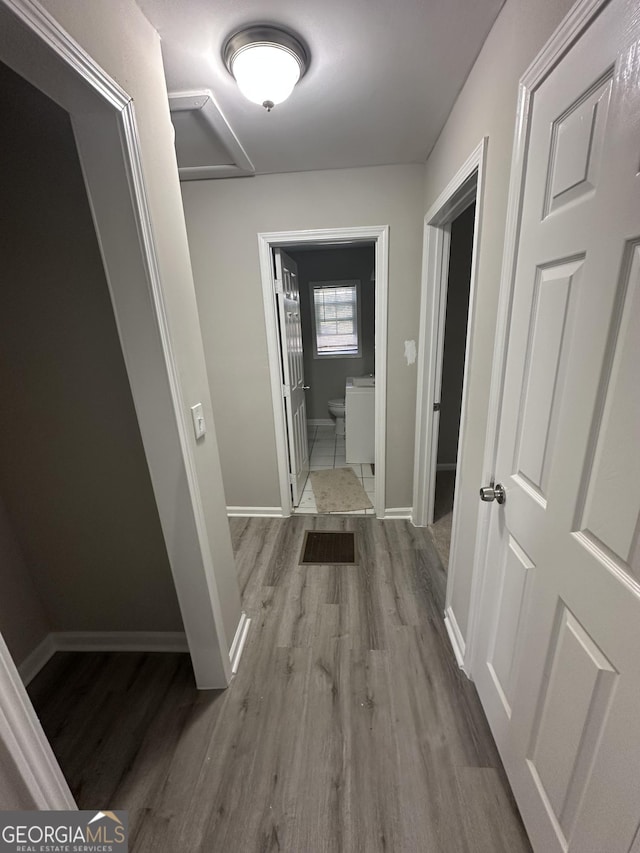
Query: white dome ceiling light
<point x="266" y="63"/>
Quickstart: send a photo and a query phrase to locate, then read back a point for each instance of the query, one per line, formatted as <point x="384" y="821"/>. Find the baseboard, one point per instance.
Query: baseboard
<point x="446" y="466"/>
<point x="265" y="511"/>
<point x="237" y="647"/>
<point x="120" y="641"/>
<point x="398" y="512"/>
<point x="99" y="641"/>
<point x="455" y="638"/>
<point x="320" y="422"/>
<point x="37" y="660"/>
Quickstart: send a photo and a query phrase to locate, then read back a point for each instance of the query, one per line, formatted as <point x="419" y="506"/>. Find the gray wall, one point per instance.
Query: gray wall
<point x="486" y="106"/>
<point x="223" y="219"/>
<point x="23" y="621"/>
<point x="72" y="468"/>
<point x="455" y="334"/>
<point x="326" y="376"/>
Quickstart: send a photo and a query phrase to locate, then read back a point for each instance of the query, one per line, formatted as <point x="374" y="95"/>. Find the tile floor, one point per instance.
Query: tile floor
<point x="328" y="451"/>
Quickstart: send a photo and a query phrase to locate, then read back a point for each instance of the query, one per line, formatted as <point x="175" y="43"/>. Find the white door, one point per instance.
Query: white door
<point x="288" y="297"/>
<point x="558" y="654"/>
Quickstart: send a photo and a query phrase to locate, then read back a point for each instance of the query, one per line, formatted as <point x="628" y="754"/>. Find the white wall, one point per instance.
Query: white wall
<point x="486" y="106"/>
<point x="118" y="36"/>
<point x="223" y="219"/>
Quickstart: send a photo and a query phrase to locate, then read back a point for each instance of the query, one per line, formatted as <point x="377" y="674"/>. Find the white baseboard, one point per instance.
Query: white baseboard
<point x="320" y="422"/>
<point x="266" y="511"/>
<point x="100" y="641"/>
<point x="398" y="512"/>
<point x="237" y="647"/>
<point x="446" y="466"/>
<point x="455" y="637"/>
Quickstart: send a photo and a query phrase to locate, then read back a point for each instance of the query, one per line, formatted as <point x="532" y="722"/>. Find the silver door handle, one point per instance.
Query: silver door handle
<point x="306" y="387"/>
<point x="493" y="493"/>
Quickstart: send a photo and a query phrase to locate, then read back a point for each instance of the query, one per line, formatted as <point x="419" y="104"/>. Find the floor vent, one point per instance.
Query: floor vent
<point x="329" y="547"/>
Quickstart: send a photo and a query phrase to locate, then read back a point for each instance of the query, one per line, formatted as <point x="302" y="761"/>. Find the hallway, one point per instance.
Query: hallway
<point x="348" y="727"/>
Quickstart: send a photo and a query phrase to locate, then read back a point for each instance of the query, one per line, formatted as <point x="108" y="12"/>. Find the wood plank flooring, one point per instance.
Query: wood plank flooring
<point x="348" y="728"/>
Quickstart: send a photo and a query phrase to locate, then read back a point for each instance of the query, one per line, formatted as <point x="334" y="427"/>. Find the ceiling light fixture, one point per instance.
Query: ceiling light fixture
<point x="266" y="62"/>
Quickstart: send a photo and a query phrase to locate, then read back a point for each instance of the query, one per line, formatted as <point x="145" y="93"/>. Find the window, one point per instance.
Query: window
<point x="335" y="315"/>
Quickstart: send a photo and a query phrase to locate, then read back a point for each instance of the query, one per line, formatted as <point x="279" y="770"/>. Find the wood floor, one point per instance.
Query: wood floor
<point x="348" y="727"/>
<point x="443" y="513"/>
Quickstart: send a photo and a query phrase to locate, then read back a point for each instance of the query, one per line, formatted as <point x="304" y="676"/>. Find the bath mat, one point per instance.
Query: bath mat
<point x="326" y="547"/>
<point x="338" y="490"/>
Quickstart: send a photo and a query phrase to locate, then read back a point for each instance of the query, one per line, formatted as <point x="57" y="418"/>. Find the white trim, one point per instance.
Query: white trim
<point x="23" y="740"/>
<point x="574" y="23"/>
<point x="460" y="192"/>
<point x="455" y="638"/>
<point x="39" y="23"/>
<point x="199" y="651"/>
<point x="37" y="660"/>
<point x="467" y="184"/>
<point x="266" y="242"/>
<point x="240" y="638"/>
<point x="204" y="103"/>
<point x="578" y="18"/>
<point x="249" y="511"/>
<point x="99" y="641"/>
<point x="397" y="512"/>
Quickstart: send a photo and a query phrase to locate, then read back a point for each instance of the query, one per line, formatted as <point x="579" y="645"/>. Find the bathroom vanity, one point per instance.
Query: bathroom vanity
<point x="360" y="396"/>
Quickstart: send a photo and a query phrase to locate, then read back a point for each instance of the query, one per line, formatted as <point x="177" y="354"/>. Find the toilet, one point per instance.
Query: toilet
<point x="337" y="409"/>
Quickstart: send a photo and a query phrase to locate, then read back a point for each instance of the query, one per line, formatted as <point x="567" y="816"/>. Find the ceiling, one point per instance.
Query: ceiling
<point x="383" y="77"/>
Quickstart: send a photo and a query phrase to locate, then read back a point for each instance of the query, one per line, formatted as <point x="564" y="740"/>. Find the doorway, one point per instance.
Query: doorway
<point x="463" y="191"/>
<point x="337" y="311"/>
<point x="80" y="515"/>
<point x="371" y="247"/>
<point x="456" y="312"/>
<point x="103" y="116"/>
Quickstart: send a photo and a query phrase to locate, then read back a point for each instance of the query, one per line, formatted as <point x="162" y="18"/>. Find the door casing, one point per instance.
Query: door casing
<point x="267" y="241"/>
<point x="466" y="186"/>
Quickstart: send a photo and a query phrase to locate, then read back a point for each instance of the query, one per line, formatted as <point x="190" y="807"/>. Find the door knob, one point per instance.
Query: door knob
<point x="493" y="493"/>
<point x="306" y="387"/>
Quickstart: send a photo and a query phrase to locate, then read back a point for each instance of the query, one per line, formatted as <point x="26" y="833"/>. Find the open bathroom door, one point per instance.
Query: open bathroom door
<point x="291" y="357"/>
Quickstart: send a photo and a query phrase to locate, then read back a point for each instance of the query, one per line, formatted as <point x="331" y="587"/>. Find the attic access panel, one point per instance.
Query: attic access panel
<point x="206" y="146"/>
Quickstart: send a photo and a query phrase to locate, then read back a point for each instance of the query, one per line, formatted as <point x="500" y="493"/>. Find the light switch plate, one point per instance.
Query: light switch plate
<point x="199" y="426"/>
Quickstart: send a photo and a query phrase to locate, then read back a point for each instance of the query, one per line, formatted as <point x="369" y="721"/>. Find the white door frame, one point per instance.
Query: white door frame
<point x="28" y="760"/>
<point x="104" y="123"/>
<point x="466" y="186"/>
<point x="560" y="42"/>
<point x="281" y="239"/>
